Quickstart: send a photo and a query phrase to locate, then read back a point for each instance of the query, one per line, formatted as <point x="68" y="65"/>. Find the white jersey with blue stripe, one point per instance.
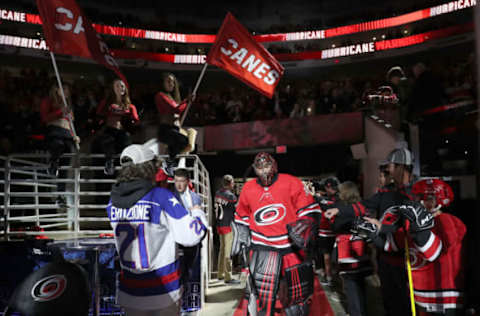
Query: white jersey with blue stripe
<point x="146" y="237"/>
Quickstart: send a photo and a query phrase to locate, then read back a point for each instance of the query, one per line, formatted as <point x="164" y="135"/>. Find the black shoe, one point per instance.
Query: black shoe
<point x="61" y="201"/>
<point x="53" y="168"/>
<point x="324" y="280"/>
<point x="109" y="169"/>
<point x="170" y="168"/>
<point x="232" y="282"/>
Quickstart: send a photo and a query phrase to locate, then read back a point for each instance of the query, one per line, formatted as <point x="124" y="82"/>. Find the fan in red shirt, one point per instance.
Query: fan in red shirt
<point x="170" y="107"/>
<point x="57" y="118"/>
<point x="119" y="115"/>
<point x="265" y="207"/>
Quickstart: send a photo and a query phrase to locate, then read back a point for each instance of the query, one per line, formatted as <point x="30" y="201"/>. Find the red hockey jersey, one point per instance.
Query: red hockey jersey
<point x="267" y="210"/>
<point x="352" y="254"/>
<point x="437" y="267"/>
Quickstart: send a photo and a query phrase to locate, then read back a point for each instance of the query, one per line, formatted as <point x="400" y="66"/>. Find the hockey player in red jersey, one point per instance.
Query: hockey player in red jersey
<point x="439" y="285"/>
<point x="266" y="205"/>
<point x="436" y="251"/>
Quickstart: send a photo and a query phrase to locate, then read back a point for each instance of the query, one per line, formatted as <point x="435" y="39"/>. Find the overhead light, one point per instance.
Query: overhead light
<point x="405" y="31"/>
<point x="374" y="38"/>
<point x="383" y="36"/>
<point x="333" y="45"/>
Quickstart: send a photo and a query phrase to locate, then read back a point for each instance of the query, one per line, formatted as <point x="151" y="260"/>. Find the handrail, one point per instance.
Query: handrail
<point x="29" y="194"/>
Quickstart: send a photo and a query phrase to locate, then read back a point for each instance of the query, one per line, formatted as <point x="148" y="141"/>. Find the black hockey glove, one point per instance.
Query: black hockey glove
<point x="420" y="219"/>
<point x="364" y="229"/>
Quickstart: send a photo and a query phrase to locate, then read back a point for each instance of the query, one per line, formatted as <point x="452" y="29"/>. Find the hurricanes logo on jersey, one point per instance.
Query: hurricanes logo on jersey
<point x="49" y="288"/>
<point x="417" y="259"/>
<point x="270" y="214"/>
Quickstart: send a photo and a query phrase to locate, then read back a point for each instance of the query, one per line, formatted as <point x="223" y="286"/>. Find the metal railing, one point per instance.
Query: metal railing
<point x="72" y="204"/>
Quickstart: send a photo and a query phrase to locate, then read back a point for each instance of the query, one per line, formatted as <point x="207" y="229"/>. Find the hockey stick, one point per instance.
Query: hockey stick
<point x="410" y="281"/>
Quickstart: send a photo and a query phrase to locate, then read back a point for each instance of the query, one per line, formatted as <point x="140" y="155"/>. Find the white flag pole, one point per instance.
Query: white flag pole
<point x="194" y="93"/>
<point x="65" y="105"/>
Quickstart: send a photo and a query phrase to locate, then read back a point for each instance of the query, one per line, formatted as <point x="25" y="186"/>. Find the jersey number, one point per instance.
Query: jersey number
<point x="133" y="233"/>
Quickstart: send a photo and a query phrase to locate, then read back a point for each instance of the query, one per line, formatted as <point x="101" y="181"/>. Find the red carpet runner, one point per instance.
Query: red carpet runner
<point x="319" y="307"/>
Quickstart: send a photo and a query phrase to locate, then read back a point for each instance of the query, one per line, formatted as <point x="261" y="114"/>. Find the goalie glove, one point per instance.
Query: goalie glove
<point x="365" y="230"/>
<point x="241" y="238"/>
<point x="417" y="215"/>
<point x="303" y="233"/>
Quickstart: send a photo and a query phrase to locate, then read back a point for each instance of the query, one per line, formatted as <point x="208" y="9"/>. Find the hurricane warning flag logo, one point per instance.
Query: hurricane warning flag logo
<point x="49" y="288"/>
<point x="270" y="214"/>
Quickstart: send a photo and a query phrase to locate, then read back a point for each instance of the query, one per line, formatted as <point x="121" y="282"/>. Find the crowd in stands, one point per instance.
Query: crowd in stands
<point x="21" y="95"/>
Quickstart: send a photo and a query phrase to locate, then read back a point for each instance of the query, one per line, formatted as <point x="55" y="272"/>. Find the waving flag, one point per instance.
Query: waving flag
<point x="69" y="32"/>
<point x="236" y="51"/>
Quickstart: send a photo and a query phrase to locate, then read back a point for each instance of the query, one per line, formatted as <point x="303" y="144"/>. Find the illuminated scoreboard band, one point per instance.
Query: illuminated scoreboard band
<point x="406" y="18"/>
<point x="337" y="52"/>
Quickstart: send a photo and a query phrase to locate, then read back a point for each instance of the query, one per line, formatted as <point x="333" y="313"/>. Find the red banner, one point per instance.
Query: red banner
<point x="236" y="51"/>
<point x="68" y="31"/>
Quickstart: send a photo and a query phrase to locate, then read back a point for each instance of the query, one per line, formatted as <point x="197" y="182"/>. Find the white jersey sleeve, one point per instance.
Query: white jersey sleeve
<point x="187" y="229"/>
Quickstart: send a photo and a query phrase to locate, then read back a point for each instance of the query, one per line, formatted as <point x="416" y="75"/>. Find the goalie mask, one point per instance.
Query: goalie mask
<point x="265" y="168"/>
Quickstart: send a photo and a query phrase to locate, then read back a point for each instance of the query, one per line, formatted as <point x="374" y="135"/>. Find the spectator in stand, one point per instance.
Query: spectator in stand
<point x="120" y="116"/>
<point x="398" y="81"/>
<point x="225" y="203"/>
<point x="427" y="92"/>
<point x="264" y="110"/>
<point x="234" y="108"/>
<point x="287" y="99"/>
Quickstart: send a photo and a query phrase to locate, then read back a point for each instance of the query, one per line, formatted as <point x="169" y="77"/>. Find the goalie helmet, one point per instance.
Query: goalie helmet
<point x="261" y="161"/>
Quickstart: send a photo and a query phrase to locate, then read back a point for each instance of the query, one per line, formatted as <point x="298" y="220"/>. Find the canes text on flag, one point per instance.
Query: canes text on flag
<point x="236" y="51"/>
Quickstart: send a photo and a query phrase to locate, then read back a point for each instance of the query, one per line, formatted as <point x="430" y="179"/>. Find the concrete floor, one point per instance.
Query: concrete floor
<point x="222" y="299"/>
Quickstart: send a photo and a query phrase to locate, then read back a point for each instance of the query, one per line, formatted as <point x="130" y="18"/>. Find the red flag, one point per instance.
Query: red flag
<point x="236" y="51"/>
<point x="68" y="31"/>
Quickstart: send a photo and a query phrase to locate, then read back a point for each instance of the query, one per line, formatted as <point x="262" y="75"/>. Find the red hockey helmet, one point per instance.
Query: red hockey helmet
<point x="261" y="161"/>
<point x="434" y="187"/>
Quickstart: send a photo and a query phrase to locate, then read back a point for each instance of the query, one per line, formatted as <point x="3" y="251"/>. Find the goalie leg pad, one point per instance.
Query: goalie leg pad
<point x="298" y="282"/>
<point x="266" y="269"/>
<point x="241" y="237"/>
